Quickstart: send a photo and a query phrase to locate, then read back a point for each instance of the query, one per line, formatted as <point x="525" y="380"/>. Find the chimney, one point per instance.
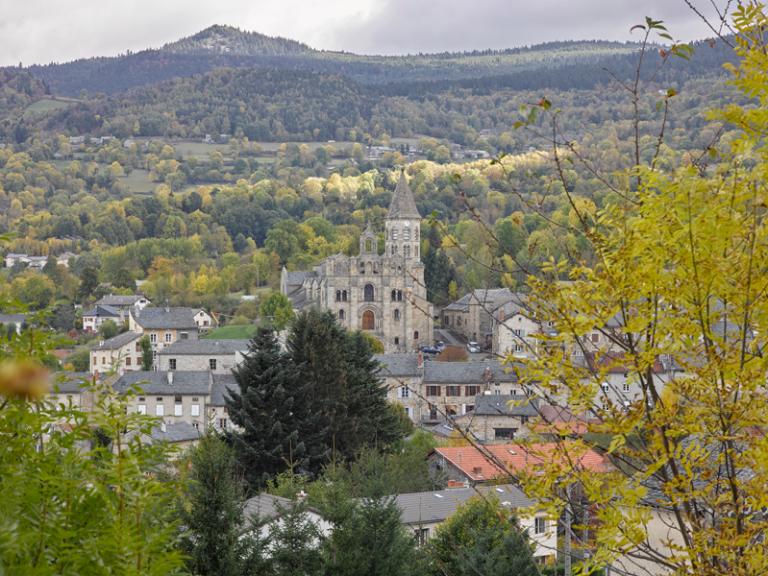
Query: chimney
<point x="169" y="375"/>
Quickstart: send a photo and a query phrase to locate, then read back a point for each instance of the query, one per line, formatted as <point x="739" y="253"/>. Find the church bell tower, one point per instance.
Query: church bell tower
<point x="402" y="225"/>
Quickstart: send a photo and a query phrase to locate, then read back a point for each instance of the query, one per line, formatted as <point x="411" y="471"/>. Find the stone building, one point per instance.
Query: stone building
<point x="383" y="294"/>
<point x="218" y="356"/>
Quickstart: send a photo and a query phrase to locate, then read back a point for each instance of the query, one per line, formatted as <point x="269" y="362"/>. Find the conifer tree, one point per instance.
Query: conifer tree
<point x="295" y="543"/>
<point x="371" y="541"/>
<point x="213" y="511"/>
<point x="269" y="407"/>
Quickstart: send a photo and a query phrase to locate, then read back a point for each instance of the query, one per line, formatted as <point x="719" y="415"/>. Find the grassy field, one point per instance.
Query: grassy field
<point x="198" y="149"/>
<point x="138" y="182"/>
<point x="233" y="332"/>
<point x="46" y="105"/>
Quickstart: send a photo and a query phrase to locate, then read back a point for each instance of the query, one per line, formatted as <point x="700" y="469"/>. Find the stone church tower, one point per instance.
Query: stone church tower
<point x="383" y="294"/>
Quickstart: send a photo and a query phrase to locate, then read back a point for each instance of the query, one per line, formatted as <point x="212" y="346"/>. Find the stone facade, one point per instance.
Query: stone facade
<point x="383" y="294"/>
<point x="119" y="354"/>
<point x="217" y="356"/>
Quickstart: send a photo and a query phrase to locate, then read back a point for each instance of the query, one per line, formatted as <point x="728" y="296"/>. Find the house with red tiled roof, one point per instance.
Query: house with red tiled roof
<point x="477" y="465"/>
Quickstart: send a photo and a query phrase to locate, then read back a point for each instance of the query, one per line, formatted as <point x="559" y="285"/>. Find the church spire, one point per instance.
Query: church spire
<point x="403" y="206"/>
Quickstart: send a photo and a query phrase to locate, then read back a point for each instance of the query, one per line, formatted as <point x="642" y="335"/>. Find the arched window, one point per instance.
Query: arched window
<point x="344" y="295"/>
<point x="415" y="334"/>
<point x="341" y="315"/>
<point x="338" y="295"/>
<point x="369" y="245"/>
<point x="397" y="341"/>
<point x="394" y="295"/>
<point x="368" y="293"/>
<point x="407" y="250"/>
<point x="407" y="234"/>
<point x="369" y="320"/>
<point x="396" y="314"/>
<point x="394" y="233"/>
<point x="416" y="248"/>
<point x="399" y="295"/>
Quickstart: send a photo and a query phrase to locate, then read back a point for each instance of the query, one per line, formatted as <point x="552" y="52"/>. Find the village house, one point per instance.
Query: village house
<point x="124" y="303"/>
<point x="98" y="315"/>
<point x="119" y="354"/>
<point x="264" y="510"/>
<point x="499" y="461"/>
<point x="31" y="262"/>
<point x="179" y="435"/>
<point x="451" y="388"/>
<point x="472" y="315"/>
<point x="164" y="326"/>
<point x="222" y="385"/>
<point x="499" y="417"/>
<point x="15" y="320"/>
<point x="402" y="375"/>
<point x="173" y="396"/>
<point x="423" y="512"/>
<point x="218" y="356"/>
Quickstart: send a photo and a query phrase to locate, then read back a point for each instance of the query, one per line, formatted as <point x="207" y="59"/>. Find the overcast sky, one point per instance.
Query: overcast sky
<point x="41" y="31"/>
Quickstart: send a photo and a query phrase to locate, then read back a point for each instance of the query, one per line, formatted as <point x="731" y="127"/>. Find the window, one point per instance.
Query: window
<point x="420" y="536"/>
<point x="403" y="392"/>
<point x="138" y="346"/>
<point x="540" y="525"/>
<point x="172" y="364"/>
<point x="595" y="337"/>
<point x="159" y="409"/>
<point x="433" y="390"/>
<point x="195" y="410"/>
<point x="397" y="341"/>
<point x="341" y="314"/>
<point x="394" y="233"/>
<point x="504" y="433"/>
<point x="178" y="409"/>
<point x="103" y="359"/>
<point x="432" y="412"/>
<point x="127" y="360"/>
<point x="407" y="250"/>
<point x="625" y="387"/>
<point x="519" y="332"/>
<point x="141" y="408"/>
<point x="407" y="234"/>
<point x="399" y="295"/>
<point x="338" y="295"/>
<point x="212" y="363"/>
<point x="168" y="336"/>
<point x="153" y="338"/>
<point x="453" y="390"/>
<point x="415" y="334"/>
<point x="471" y="390"/>
<point x="396" y="314"/>
<point x="223" y="423"/>
<point x="605" y="386"/>
<point x="369" y="320"/>
<point x="184" y="335"/>
<point x="368" y="293"/>
<point x="394" y="295"/>
<point x="344" y="295"/>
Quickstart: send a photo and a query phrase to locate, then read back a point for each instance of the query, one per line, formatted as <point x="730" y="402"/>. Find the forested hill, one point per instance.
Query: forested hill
<point x="233" y="41"/>
<point x="227" y="47"/>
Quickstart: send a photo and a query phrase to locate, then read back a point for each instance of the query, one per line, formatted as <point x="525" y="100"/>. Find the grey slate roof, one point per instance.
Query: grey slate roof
<point x="103" y="312"/>
<point x="466" y="372"/>
<point x="204" y="347"/>
<point x="221" y="384"/>
<point x="398" y="365"/>
<point x="265" y="506"/>
<point x="505" y="404"/>
<point x="403" y="205"/>
<point x="176" y="432"/>
<point x="432" y="507"/>
<point x="12" y="318"/>
<point x="461" y="305"/>
<point x="154" y="318"/>
<point x="296" y="278"/>
<point x="71" y="382"/>
<point x="117" y="342"/>
<point x="119" y="300"/>
<point x="189" y="383"/>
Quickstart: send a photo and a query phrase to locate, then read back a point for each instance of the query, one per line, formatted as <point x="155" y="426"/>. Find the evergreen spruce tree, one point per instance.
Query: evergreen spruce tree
<point x="481" y="538"/>
<point x="295" y="543"/>
<point x="213" y="512"/>
<point x="269" y="408"/>
<point x="371" y="541"/>
<point x="348" y="400"/>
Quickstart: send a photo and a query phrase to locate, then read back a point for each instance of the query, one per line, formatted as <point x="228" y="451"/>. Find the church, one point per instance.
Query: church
<point x="382" y="294"/>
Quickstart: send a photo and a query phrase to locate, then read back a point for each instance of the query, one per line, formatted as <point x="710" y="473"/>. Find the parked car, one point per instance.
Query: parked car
<point x="430" y="350"/>
<point x="473" y="347"/>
